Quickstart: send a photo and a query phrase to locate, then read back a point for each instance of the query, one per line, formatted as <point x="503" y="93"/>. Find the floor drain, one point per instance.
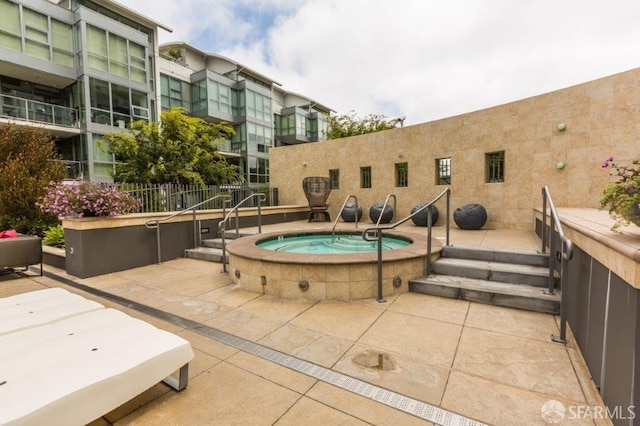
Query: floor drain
<point x="372" y="359"/>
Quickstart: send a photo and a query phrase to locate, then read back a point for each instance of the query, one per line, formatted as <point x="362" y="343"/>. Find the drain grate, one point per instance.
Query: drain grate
<point x="384" y="396"/>
<point x="398" y="401"/>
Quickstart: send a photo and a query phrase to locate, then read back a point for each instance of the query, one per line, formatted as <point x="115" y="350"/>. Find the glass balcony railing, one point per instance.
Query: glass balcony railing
<point x="25" y="109"/>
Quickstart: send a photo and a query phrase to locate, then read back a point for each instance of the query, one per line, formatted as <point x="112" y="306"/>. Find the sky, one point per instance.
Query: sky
<point x="419" y="59"/>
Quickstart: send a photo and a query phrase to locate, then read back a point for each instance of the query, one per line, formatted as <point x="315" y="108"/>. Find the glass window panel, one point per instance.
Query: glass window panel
<point x="9" y="17"/>
<point x="61" y="36"/>
<point x="35" y="20"/>
<point x="100" y="147"/>
<point x="120" y="99"/>
<point x="137" y="55"/>
<point x="10" y="42"/>
<point x="99" y="94"/>
<point x="97" y="48"/>
<point x="443" y="171"/>
<point x="138" y="75"/>
<point x="102" y="170"/>
<point x="36" y="49"/>
<point x="117" y="48"/>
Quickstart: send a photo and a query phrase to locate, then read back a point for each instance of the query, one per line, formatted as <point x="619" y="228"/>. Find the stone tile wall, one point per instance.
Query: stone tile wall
<point x="601" y="119"/>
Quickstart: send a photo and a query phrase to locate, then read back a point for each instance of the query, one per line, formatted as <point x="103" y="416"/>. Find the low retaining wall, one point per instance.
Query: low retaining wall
<point x="101" y="245"/>
<point x="603" y="290"/>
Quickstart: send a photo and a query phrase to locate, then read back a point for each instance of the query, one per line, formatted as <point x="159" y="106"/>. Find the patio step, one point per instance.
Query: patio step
<point x="537" y="276"/>
<point x="211" y="248"/>
<point x="209" y="254"/>
<point x="505" y="277"/>
<point x="503" y="265"/>
<point x="519" y="256"/>
<point x="519" y="296"/>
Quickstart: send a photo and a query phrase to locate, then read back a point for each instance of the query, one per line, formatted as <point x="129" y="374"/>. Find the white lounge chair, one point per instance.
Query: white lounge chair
<point x="66" y="360"/>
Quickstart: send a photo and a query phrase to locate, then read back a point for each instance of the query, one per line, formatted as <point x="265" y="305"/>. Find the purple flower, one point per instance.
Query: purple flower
<point x="607" y="162"/>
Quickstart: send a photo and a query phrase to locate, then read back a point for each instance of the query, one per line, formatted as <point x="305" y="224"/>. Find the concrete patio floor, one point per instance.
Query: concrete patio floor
<point x="490" y="364"/>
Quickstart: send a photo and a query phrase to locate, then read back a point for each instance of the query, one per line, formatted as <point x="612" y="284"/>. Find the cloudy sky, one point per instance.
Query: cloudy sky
<point x="421" y="59"/>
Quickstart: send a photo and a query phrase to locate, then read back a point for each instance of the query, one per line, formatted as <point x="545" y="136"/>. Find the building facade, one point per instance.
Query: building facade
<point x="84" y="68"/>
<point x="218" y="89"/>
<point x="500" y="157"/>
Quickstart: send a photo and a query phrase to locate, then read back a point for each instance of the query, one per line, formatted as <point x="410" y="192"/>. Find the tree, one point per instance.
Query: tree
<point x="182" y="149"/>
<point x="28" y="165"/>
<point x="342" y="126"/>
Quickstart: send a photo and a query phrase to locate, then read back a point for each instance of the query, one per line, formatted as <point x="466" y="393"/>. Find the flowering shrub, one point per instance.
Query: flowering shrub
<point x="87" y="199"/>
<point x="622" y="196"/>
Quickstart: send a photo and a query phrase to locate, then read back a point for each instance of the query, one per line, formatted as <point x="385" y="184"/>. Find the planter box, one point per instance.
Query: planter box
<point x="102" y="245"/>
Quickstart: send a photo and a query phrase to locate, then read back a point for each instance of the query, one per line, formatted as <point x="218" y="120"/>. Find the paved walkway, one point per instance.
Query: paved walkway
<point x="483" y="363"/>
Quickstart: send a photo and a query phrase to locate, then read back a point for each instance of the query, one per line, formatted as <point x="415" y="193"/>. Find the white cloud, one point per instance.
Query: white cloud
<point x="415" y="58"/>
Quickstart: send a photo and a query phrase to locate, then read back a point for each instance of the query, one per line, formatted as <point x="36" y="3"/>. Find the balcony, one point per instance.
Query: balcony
<point x="24" y="111"/>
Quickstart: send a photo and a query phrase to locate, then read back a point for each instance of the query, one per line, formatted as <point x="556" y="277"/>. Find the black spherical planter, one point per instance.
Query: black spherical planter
<point x="421" y="218"/>
<point x="470" y="216"/>
<point x="376" y="210"/>
<point x="349" y="212"/>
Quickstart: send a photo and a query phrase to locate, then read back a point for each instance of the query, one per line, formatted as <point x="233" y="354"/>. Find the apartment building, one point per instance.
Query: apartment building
<point x="264" y="115"/>
<point x="84" y="68"/>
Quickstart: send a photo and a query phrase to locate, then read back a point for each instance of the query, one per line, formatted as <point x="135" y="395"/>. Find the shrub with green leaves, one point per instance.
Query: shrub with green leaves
<point x="25" y="170"/>
<point x="622" y="196"/>
<point x="54" y="237"/>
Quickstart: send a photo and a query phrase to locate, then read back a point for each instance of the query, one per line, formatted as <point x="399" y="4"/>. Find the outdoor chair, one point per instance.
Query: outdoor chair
<point x="16" y="254"/>
<point x="317" y="189"/>
<point x="66" y="360"/>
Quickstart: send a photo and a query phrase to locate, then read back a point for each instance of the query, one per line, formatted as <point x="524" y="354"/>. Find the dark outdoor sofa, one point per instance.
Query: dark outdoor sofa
<point x="16" y="254"/>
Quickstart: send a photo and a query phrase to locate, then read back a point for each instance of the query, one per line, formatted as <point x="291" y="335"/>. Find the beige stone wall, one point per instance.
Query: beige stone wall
<point x="601" y="117"/>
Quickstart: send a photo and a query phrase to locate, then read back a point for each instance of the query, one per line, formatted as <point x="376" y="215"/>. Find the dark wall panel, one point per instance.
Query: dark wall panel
<point x="617" y="386"/>
<point x="592" y="351"/>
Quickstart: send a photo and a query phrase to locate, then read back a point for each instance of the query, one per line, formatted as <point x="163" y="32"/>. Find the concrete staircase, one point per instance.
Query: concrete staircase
<point x="512" y="278"/>
<point x="211" y="249"/>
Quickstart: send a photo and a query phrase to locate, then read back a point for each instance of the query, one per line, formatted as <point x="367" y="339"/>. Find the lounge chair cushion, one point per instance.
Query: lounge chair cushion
<point x="80" y="366"/>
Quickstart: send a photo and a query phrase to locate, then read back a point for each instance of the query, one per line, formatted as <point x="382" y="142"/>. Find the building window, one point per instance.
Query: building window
<point x="119" y="56"/>
<point x="402" y="174"/>
<point x="220" y="97"/>
<point x="443" y="171"/>
<point x="334" y="178"/>
<point x="258" y="170"/>
<point x="174" y="92"/>
<point x="495" y="167"/>
<point x="260" y="138"/>
<point x="10" y="32"/>
<point x="258" y="106"/>
<point x="365" y="177"/>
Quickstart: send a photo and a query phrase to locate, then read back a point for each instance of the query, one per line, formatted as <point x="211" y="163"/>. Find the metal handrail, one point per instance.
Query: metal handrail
<point x="335" y="222"/>
<point x="155" y="223"/>
<point x="386" y="203"/>
<point x="378" y="236"/>
<point x="222" y="225"/>
<point x="566" y="254"/>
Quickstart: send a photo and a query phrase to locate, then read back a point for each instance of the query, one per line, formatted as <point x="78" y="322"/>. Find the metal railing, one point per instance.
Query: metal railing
<point x="563" y="256"/>
<point x="29" y="110"/>
<point x="335" y="222"/>
<point x="222" y="226"/>
<point x="170" y="197"/>
<point x="379" y="230"/>
<point x="155" y="223"/>
<point x="386" y="203"/>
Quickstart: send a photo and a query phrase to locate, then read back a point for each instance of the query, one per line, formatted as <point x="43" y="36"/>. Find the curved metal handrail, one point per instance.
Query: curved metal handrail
<point x="335" y="222"/>
<point x="378" y="235"/>
<point x="222" y="224"/>
<point x="566" y="254"/>
<point x="386" y="203"/>
<point x="155" y="223"/>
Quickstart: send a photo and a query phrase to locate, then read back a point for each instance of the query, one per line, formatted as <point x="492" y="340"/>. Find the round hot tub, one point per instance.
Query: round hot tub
<point x="319" y="265"/>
